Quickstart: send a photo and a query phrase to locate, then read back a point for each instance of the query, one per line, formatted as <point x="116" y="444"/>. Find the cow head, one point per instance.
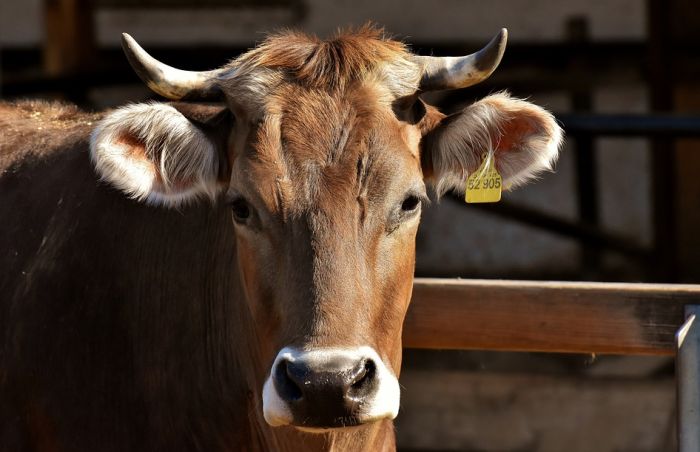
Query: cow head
<point x="322" y="150"/>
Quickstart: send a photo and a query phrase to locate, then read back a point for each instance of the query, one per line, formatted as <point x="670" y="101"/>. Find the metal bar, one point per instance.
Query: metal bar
<point x="688" y="376"/>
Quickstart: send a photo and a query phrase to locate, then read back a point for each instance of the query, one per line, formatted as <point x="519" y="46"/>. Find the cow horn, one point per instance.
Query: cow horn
<point x="169" y="82"/>
<point x="459" y="72"/>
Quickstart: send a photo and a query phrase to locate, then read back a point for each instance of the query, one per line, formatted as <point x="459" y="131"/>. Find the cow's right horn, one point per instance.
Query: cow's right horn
<point x="459" y="72"/>
<point x="169" y="82"/>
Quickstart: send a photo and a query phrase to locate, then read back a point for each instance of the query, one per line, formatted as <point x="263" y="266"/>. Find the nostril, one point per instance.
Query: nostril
<point x="285" y="382"/>
<point x="365" y="375"/>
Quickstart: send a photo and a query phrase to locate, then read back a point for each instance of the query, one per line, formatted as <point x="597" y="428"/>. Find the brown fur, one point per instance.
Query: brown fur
<point x="30" y="128"/>
<point x="345" y="61"/>
<point x="328" y="64"/>
<point x="149" y="388"/>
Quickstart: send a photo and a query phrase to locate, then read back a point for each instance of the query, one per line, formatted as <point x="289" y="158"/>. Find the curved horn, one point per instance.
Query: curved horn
<point x="459" y="72"/>
<point x="169" y="82"/>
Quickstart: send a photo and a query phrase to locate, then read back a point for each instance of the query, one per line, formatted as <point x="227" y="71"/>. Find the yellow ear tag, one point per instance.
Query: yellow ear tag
<point x="484" y="184"/>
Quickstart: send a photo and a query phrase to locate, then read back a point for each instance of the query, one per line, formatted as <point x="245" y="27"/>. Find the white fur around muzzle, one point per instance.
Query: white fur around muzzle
<point x="384" y="404"/>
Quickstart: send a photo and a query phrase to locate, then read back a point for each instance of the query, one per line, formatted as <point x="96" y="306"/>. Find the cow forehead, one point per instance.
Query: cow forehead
<point x="314" y="145"/>
<point x="325" y="128"/>
<point x="320" y="114"/>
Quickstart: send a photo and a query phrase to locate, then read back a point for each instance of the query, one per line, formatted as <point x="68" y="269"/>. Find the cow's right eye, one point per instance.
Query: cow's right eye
<point x="240" y="209"/>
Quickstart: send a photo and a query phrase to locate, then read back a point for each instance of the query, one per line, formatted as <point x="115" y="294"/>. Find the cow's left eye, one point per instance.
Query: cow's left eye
<point x="409" y="208"/>
<point x="411" y="203"/>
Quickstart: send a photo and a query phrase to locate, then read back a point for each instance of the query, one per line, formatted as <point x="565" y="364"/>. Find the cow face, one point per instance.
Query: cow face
<point x="322" y="150"/>
<point x="326" y="195"/>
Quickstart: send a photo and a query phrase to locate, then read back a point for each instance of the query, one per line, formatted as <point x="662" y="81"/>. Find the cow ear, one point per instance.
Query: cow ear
<point x="165" y="154"/>
<point x="523" y="137"/>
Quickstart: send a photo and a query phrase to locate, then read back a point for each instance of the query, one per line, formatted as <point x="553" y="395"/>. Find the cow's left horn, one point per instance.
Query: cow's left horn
<point x="168" y="81"/>
<point x="460" y="72"/>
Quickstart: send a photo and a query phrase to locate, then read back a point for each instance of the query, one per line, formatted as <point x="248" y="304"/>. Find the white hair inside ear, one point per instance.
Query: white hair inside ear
<point x="153" y="153"/>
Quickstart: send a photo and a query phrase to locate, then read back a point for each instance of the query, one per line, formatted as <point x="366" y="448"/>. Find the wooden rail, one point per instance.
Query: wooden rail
<point x="570" y="317"/>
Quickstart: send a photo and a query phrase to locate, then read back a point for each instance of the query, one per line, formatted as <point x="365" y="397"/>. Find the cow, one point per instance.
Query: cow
<point x="229" y="269"/>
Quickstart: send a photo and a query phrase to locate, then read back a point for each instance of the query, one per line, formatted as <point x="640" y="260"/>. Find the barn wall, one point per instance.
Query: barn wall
<point x="454" y="241"/>
<point x="533" y="20"/>
<point x="484" y="411"/>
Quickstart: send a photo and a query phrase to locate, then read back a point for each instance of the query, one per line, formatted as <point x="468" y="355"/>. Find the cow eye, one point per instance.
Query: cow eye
<point x="410" y="204"/>
<point x="408" y="209"/>
<point x="240" y="209"/>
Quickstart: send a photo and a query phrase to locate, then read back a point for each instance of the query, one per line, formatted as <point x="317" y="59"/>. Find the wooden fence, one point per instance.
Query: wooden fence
<point x="572" y="317"/>
<point x="576" y="317"/>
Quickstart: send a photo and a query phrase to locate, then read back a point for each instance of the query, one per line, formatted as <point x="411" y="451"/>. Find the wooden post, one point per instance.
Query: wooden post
<point x="586" y="166"/>
<point x="686" y="90"/>
<point x="674" y="28"/>
<point x="663" y="158"/>
<point x="69" y="41"/>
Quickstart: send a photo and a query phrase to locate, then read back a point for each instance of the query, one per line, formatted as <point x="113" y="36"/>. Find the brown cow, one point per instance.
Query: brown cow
<point x="131" y="327"/>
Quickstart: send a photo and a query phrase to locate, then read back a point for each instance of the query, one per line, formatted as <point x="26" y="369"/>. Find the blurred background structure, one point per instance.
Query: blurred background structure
<point x="623" y="77"/>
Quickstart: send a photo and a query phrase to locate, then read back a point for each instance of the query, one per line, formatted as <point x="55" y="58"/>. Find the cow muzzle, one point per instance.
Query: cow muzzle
<point x="320" y="389"/>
